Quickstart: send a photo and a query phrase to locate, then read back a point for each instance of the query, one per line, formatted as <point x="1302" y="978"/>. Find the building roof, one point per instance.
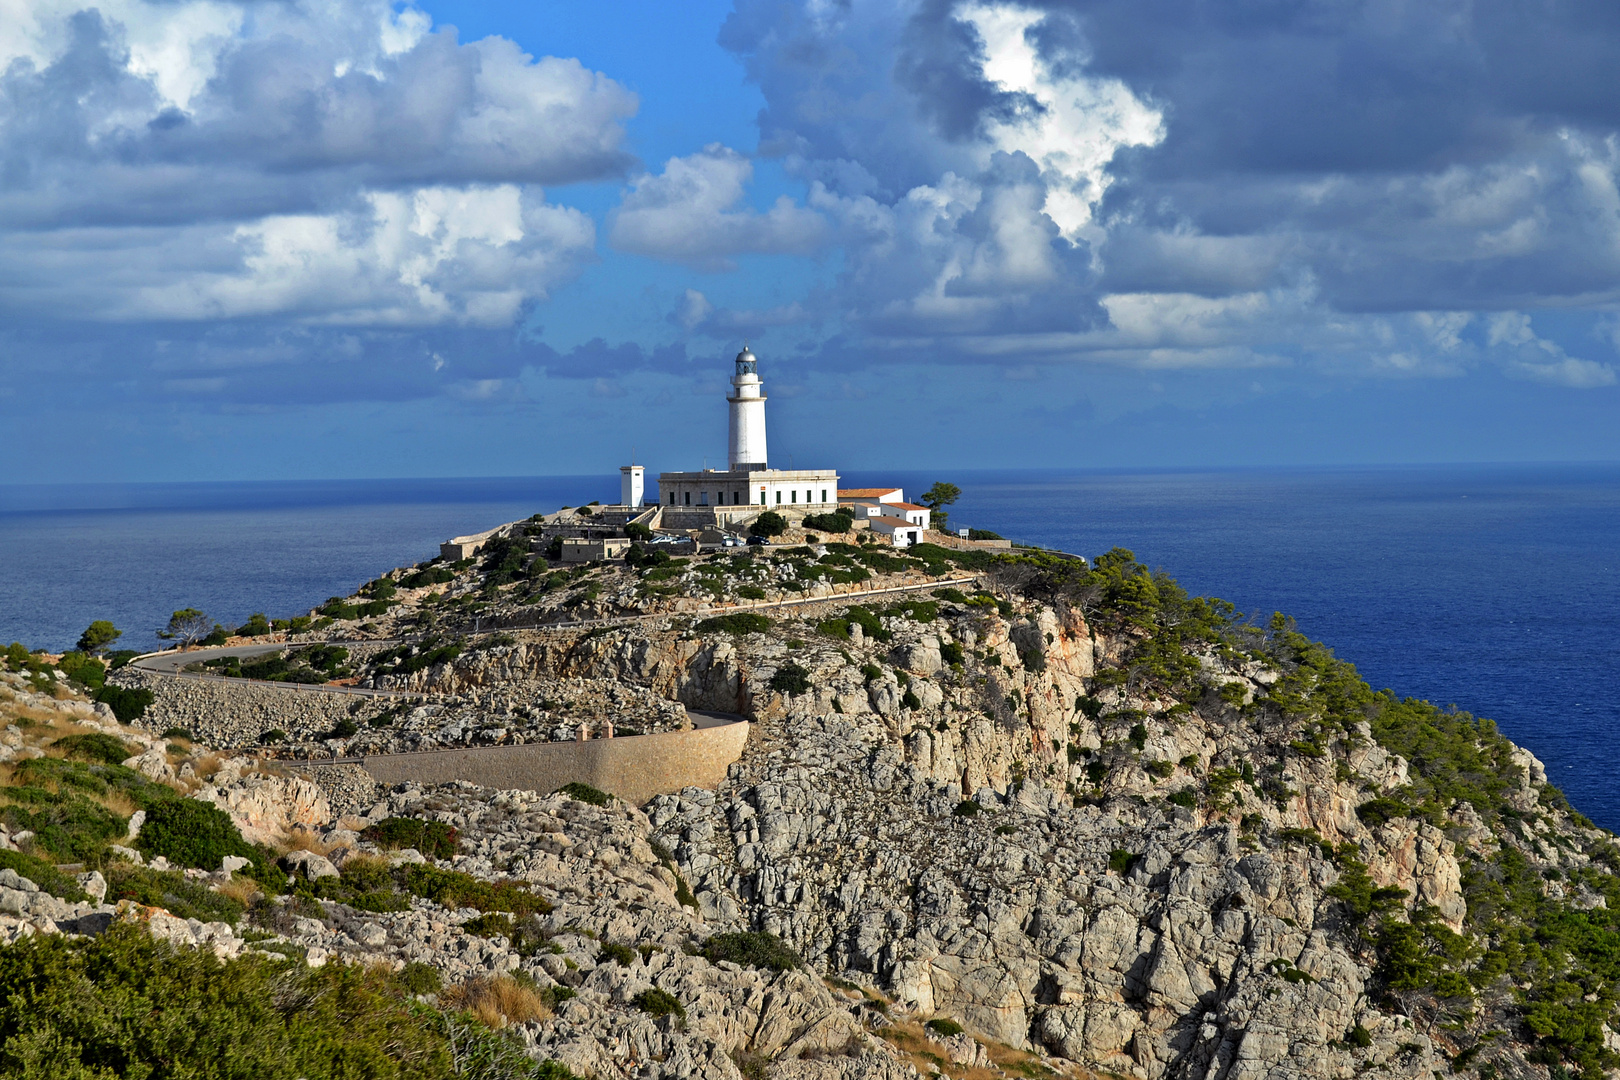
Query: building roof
<point x="906" y="506"/>
<point x="866" y="493"/>
<point x="886" y="522"/>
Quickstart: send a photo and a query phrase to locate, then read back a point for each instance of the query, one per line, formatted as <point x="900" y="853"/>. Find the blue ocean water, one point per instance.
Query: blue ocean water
<point x="1496" y="589"/>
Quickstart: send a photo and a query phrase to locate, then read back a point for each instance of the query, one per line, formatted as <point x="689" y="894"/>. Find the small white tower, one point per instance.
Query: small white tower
<point x="747" y="415"/>
<point x="632" y="485"/>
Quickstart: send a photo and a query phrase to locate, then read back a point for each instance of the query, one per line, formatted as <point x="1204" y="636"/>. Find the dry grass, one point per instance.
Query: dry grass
<point x="244" y="891"/>
<point x="301" y="839"/>
<point x="498" y="1001"/>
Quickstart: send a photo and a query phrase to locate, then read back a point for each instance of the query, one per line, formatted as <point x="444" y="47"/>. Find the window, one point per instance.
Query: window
<point x="823" y="494"/>
<point x="795" y="494"/>
<point x="762" y="496"/>
<point x="778" y="498"/>
<point x="688" y="498"/>
<point x="736" y="498"/>
<point x="672" y="498"/>
<point x="703" y="498"/>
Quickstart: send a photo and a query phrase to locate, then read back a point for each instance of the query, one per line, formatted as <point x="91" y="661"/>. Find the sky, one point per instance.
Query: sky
<point x="354" y="238"/>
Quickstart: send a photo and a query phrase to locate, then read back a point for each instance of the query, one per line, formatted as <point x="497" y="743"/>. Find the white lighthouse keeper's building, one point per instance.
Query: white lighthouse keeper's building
<point x="750" y="485"/>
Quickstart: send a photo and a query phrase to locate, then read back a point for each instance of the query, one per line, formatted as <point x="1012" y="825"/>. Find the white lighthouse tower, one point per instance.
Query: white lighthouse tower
<point x="747" y="415"/>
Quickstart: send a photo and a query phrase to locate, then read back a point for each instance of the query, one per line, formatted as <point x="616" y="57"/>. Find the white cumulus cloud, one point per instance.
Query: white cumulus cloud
<point x="694" y="213"/>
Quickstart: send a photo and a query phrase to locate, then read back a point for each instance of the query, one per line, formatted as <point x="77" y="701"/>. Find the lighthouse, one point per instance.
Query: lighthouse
<point x="747" y="401"/>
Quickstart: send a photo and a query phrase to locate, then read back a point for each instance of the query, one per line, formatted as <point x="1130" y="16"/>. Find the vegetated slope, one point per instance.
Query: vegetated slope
<point x="1130" y="828"/>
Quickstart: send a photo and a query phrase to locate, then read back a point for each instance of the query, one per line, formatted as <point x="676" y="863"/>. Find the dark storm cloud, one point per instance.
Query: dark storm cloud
<point x="942" y="64"/>
<point x="1337" y="163"/>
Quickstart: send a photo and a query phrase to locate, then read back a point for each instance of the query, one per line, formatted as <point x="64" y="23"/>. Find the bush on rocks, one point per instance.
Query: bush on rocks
<point x="194" y="833"/>
<point x="43" y="872"/>
<point x="740" y="623"/>
<point x="171" y="890"/>
<point x="942" y="1026"/>
<point x="623" y="955"/>
<point x="656" y="1002"/>
<point x="751" y="949"/>
<point x="127" y="705"/>
<point x="790" y="679"/>
<point x="453" y="889"/>
<point x="94" y="746"/>
<point x="434" y="839"/>
<point x="585" y="794"/>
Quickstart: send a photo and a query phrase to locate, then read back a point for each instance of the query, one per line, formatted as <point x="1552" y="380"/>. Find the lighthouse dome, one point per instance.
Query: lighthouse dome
<point x="747" y="362"/>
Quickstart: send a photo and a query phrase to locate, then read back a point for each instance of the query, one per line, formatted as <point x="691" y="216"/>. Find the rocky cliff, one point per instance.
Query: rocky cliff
<point x="1089" y="816"/>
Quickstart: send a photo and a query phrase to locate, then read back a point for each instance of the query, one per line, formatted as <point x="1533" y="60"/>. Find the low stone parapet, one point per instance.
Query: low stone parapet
<point x="635" y="769"/>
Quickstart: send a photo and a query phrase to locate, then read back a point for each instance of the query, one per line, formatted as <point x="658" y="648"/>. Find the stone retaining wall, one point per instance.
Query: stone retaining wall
<point x="635" y="769"/>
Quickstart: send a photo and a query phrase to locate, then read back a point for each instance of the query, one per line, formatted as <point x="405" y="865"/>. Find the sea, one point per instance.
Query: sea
<point x="1494" y="589"/>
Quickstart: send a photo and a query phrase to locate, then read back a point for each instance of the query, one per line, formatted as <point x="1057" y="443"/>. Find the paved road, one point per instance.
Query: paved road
<point x="170" y="663"/>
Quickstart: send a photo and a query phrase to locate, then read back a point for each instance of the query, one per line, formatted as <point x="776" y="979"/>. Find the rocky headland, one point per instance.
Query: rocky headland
<point x="1035" y="818"/>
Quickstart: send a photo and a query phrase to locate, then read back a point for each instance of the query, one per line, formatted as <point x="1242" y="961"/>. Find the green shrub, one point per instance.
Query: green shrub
<point x="910" y="699"/>
<point x="435" y="575"/>
<point x="1377" y="811"/>
<point x="984" y="534"/>
<point x="966" y="808"/>
<point x="419" y="978"/>
<point x="43" y="872"/>
<point x="128" y="705"/>
<point x="1159" y="769"/>
<point x="256" y="626"/>
<point x="126" y="1004"/>
<point x="623" y="955"/>
<point x="834" y="628"/>
<point x="1359" y="1037"/>
<point x="750" y="949"/>
<point x="839" y="521"/>
<point x="274" y="735"/>
<point x="453" y="889"/>
<point x="94" y="746"/>
<point x="941" y="1026"/>
<point x="1138" y="736"/>
<point x="790" y="679"/>
<point x="490" y="924"/>
<point x="585" y="793"/>
<point x="656" y="1002"/>
<point x="1119" y="861"/>
<point x="951" y="653"/>
<point x="178" y="733"/>
<point x="171" y="890"/>
<point x="740" y="623"/>
<point x="770" y="523"/>
<point x="84" y="670"/>
<point x="193" y="833"/>
<point x="435" y="839"/>
<point x="343" y="729"/>
<point x="1184" y="797"/>
<point x="750" y="592"/>
<point x="868" y="621"/>
<point x="65" y="823"/>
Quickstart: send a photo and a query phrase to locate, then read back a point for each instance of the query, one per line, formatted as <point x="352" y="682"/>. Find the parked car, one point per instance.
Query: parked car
<point x="752" y="540"/>
<point x="731" y="541"/>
